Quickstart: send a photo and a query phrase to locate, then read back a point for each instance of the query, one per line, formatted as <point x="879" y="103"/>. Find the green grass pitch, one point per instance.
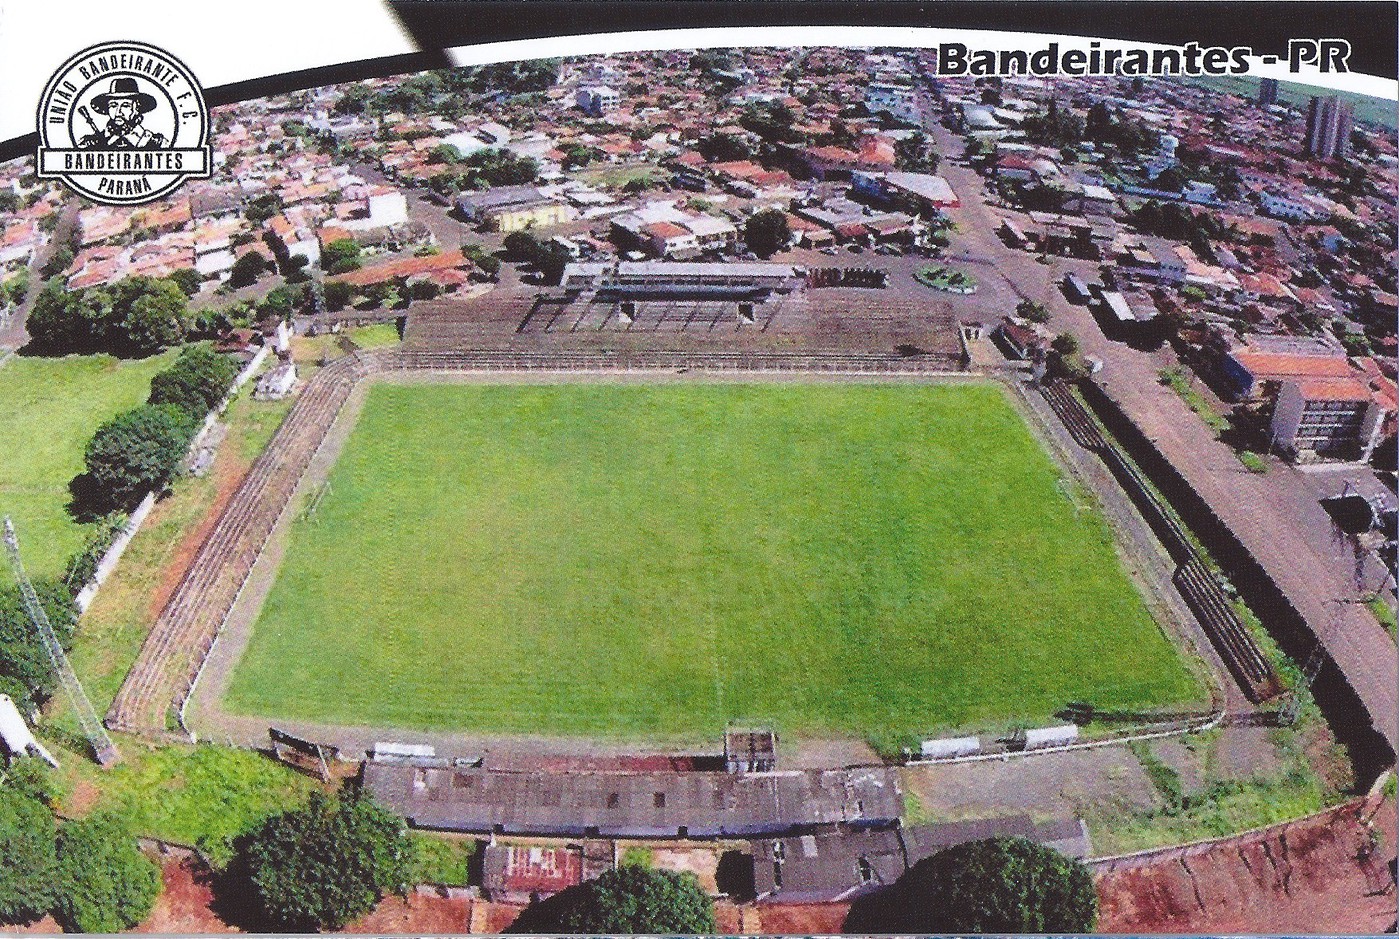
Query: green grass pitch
<point x="650" y="561"/>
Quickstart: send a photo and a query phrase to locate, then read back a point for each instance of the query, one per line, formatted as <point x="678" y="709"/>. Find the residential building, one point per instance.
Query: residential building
<point x="664" y="230"/>
<point x="1336" y="418"/>
<point x="898" y="100"/>
<point x="1329" y="123"/>
<point x="1288" y="207"/>
<point x="1259" y="369"/>
<point x="597" y="100"/>
<point x="1267" y="92"/>
<point x="512" y="208"/>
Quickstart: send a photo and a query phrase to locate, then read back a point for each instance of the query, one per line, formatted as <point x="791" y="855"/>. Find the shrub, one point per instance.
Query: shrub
<point x="104" y="883"/>
<point x="320" y="866"/>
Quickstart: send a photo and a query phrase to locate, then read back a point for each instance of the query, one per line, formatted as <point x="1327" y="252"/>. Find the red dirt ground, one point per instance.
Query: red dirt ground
<point x="228" y="473"/>
<point x="1319" y="875"/>
<point x="417" y="914"/>
<point x="183" y="907"/>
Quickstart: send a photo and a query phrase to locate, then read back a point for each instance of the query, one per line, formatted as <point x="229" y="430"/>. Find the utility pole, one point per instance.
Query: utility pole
<point x="102" y="747"/>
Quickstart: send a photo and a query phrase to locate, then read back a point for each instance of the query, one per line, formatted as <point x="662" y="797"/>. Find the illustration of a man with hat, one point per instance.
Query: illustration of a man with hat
<point x="125" y="106"/>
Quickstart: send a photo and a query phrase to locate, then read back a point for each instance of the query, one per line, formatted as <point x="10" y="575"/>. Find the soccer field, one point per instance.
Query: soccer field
<point x="651" y="561"/>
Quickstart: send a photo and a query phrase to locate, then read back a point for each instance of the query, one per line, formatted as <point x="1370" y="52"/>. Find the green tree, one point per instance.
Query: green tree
<point x="337" y="294"/>
<point x="197" y="381"/>
<point x="156" y="319"/>
<point x="17" y="287"/>
<point x="23" y="661"/>
<point x="320" y="866"/>
<point x="247" y="269"/>
<point x="28" y="860"/>
<point x="521" y="246"/>
<point x="915" y="154"/>
<point x="1064" y="344"/>
<point x="283" y="300"/>
<point x="444" y="153"/>
<point x="487" y="263"/>
<point x="723" y="148"/>
<point x="104" y="882"/>
<point x="263" y="207"/>
<point x="1032" y="311"/>
<point x="135" y="452"/>
<point x="340" y="256"/>
<point x="631" y="899"/>
<point x="58" y="262"/>
<point x="187" y="279"/>
<point x="767" y="232"/>
<point x="999" y="885"/>
<point x="553" y="258"/>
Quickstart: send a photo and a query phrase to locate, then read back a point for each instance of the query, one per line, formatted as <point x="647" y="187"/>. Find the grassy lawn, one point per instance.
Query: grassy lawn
<point x="1306" y="779"/>
<point x="443" y="859"/>
<point x="310" y="349"/>
<point x="615" y="177"/>
<point x="943" y="278"/>
<point x="49" y="409"/>
<point x="653" y="561"/>
<point x="203" y="796"/>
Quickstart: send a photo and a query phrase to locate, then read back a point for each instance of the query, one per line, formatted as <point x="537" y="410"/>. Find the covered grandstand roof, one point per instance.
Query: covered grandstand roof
<point x="636" y="805"/>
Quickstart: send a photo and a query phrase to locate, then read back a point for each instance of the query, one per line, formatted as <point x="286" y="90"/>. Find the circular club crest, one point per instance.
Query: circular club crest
<point x="123" y="123"/>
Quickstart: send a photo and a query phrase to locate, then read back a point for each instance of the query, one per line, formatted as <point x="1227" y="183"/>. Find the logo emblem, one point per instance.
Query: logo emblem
<point x="123" y="123"/>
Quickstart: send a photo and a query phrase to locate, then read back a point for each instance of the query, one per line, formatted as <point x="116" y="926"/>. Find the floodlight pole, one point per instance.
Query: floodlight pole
<point x="102" y="747"/>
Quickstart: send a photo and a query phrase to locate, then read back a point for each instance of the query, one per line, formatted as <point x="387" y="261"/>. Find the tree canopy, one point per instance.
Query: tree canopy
<point x="767" y="232"/>
<point x="136" y="316"/>
<point x="631" y="899"/>
<point x="998" y="885"/>
<point x="322" y="865"/>
<point x="28" y="860"/>
<point x="196" y="382"/>
<point x="340" y="256"/>
<point x="26" y="671"/>
<point x="136" y="452"/>
<point x="104" y="883"/>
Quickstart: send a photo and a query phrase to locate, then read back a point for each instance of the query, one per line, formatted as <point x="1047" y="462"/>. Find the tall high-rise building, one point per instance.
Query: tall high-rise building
<point x="1329" y="123"/>
<point x="1267" y="92"/>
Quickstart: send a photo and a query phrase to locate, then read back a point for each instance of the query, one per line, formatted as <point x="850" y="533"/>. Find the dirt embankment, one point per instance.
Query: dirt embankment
<point x="1331" y="873"/>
